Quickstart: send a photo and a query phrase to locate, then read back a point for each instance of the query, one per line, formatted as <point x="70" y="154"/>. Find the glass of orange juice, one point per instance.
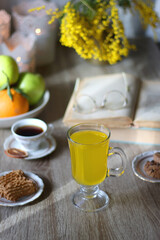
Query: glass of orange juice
<point x="89" y="151"/>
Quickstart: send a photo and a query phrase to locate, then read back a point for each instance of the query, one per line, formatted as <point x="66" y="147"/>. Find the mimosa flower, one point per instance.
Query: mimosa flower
<point x="93" y="27"/>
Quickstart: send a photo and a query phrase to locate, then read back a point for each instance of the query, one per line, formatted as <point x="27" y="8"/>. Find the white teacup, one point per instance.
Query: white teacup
<point x="29" y="133"/>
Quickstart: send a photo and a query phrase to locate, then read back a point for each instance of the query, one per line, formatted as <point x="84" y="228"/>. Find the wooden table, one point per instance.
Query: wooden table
<point x="133" y="212"/>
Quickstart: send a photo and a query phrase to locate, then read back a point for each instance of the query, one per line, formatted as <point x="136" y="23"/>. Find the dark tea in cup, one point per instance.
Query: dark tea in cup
<point x="29" y="130"/>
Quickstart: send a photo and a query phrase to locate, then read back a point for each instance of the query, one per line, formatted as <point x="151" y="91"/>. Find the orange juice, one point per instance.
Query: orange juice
<point x="89" y="156"/>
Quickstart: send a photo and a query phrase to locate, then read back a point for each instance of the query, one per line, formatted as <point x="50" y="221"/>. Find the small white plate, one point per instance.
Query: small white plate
<point x="27" y="199"/>
<point x="138" y="166"/>
<point x="7" y="122"/>
<point x="47" y="146"/>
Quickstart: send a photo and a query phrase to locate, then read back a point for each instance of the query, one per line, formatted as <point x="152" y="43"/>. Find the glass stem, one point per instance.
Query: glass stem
<point x="89" y="191"/>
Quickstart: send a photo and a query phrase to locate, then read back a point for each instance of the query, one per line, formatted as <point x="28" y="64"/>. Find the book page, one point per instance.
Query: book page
<point x="148" y="109"/>
<point x="98" y="87"/>
<point x="135" y="135"/>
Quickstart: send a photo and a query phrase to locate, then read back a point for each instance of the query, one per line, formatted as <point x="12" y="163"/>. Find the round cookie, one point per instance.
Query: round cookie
<point x="156" y="157"/>
<point x="152" y="169"/>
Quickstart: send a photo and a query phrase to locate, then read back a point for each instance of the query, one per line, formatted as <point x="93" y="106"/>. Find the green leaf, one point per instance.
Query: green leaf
<point x="21" y="92"/>
<point x="4" y="86"/>
<point x="8" y="87"/>
<point x="9" y="93"/>
<point x="124" y="3"/>
<point x="86" y="8"/>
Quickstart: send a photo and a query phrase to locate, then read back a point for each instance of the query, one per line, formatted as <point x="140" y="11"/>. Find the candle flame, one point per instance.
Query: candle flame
<point x="18" y="59"/>
<point x="38" y="31"/>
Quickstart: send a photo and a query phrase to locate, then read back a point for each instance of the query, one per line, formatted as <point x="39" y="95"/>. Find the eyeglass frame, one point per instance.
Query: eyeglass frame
<point x="102" y="105"/>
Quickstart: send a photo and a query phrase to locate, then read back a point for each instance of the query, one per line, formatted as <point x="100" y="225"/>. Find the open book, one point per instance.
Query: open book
<point x="141" y="107"/>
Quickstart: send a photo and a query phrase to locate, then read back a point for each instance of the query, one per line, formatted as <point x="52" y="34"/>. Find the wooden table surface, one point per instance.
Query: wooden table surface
<point x="133" y="212"/>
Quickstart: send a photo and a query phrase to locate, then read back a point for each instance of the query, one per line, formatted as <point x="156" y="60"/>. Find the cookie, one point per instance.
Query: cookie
<point x="16" y="153"/>
<point x="156" y="157"/>
<point x="15" y="185"/>
<point x="152" y="169"/>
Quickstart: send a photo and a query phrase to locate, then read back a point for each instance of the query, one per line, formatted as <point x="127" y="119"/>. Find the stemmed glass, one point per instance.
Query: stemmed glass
<point x="89" y="151"/>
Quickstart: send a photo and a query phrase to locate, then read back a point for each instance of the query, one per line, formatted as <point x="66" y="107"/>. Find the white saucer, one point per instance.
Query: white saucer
<point x="138" y="166"/>
<point x="47" y="146"/>
<point x="27" y="199"/>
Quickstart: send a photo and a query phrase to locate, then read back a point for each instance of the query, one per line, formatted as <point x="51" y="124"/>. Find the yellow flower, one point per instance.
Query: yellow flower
<point x="36" y="9"/>
<point x="148" y="16"/>
<point x="99" y="36"/>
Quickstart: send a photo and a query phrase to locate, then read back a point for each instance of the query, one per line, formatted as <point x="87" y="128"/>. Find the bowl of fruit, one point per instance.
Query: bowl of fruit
<point x="22" y="95"/>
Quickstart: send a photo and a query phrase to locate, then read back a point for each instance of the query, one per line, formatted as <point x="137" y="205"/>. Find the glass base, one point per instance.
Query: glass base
<point x="90" y="199"/>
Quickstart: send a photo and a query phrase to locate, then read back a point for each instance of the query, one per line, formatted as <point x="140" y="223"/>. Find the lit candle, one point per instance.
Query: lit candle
<point x="22" y="49"/>
<point x="5" y="24"/>
<point x="36" y="22"/>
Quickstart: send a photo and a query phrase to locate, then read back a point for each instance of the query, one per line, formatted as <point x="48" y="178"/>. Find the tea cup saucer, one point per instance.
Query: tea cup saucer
<point x="47" y="146"/>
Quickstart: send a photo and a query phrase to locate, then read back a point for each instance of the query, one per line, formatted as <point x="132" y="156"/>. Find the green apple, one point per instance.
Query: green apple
<point x="9" y="67"/>
<point x="33" y="85"/>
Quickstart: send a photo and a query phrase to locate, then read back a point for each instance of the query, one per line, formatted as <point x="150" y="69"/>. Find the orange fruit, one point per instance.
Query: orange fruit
<point x="9" y="108"/>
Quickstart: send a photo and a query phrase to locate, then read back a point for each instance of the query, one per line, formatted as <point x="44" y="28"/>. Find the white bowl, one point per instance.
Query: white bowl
<point x="7" y="122"/>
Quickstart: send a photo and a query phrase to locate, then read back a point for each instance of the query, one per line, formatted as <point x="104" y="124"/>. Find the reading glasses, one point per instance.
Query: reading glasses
<point x="112" y="100"/>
